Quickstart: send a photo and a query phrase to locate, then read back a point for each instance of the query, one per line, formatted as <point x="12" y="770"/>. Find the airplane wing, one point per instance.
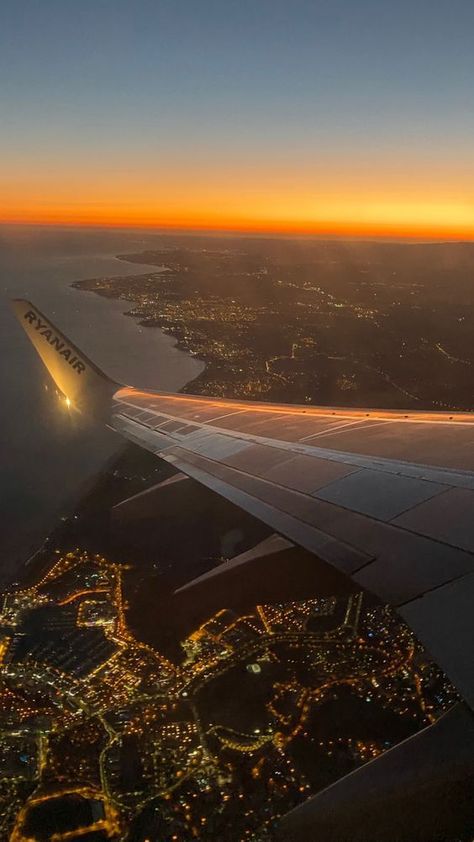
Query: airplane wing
<point x="386" y="497"/>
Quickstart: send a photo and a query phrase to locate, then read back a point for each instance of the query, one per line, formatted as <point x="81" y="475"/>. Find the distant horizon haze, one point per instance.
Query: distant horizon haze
<point x="421" y="236"/>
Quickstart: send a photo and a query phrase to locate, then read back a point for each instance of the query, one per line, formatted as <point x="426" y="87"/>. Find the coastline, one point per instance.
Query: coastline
<point x="94" y="285"/>
<point x="171" y="342"/>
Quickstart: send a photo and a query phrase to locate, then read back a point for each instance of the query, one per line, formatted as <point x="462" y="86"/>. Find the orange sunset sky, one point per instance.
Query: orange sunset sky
<point x="306" y="117"/>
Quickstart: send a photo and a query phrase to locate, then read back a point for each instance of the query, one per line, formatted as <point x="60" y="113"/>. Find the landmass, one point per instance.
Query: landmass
<point x="378" y="324"/>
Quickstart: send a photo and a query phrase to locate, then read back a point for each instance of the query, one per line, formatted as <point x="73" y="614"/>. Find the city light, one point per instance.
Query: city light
<point x="105" y="690"/>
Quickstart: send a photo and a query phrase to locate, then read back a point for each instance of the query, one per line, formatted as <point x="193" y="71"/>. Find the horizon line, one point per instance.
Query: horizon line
<point x="428" y="234"/>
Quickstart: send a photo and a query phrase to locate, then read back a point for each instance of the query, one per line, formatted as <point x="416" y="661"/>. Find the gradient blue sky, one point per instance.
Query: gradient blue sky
<point x="260" y="111"/>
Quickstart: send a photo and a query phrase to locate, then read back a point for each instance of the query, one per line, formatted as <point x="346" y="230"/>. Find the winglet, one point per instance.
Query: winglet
<point x="81" y="382"/>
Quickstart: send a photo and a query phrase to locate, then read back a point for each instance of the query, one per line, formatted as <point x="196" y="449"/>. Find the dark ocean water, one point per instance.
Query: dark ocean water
<point x="47" y="455"/>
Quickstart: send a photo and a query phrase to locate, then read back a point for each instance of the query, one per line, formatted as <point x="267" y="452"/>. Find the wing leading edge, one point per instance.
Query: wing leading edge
<point x="385" y="497"/>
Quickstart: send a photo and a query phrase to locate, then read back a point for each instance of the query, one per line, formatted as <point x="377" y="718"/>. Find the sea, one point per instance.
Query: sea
<point x="49" y="455"/>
